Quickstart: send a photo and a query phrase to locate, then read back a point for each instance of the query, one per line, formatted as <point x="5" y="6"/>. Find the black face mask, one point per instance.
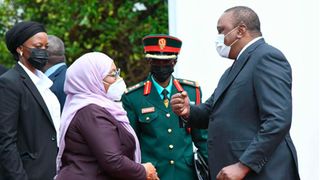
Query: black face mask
<point x="38" y="58"/>
<point x="161" y="73"/>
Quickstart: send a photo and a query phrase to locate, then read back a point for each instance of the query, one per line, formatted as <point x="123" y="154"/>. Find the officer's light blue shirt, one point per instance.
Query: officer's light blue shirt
<point x="160" y="88"/>
<point x="53" y="69"/>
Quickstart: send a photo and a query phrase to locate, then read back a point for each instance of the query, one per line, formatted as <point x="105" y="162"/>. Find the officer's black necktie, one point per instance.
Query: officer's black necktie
<point x="165" y="97"/>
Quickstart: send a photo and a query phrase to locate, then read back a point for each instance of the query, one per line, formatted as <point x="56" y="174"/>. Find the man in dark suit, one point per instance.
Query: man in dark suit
<point x="29" y="111"/>
<point x="249" y="114"/>
<point x="56" y="67"/>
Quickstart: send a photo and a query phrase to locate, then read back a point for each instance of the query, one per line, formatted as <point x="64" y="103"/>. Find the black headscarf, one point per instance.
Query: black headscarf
<point x="20" y="33"/>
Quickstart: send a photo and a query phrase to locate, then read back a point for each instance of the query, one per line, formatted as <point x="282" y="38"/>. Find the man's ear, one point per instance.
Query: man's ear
<point x="241" y="30"/>
<point x="174" y="62"/>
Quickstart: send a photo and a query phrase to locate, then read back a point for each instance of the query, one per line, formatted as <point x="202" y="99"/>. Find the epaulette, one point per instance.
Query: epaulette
<point x="188" y="82"/>
<point x="193" y="84"/>
<point x="134" y="87"/>
<point x="147" y="87"/>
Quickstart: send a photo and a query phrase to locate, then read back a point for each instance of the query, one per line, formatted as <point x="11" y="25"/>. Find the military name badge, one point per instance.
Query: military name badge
<point x="147" y="110"/>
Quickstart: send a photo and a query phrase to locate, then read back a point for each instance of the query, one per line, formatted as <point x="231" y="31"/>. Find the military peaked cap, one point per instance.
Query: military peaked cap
<point x="160" y="46"/>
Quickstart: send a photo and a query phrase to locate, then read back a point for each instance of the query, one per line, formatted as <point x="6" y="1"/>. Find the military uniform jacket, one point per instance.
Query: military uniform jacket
<point x="163" y="142"/>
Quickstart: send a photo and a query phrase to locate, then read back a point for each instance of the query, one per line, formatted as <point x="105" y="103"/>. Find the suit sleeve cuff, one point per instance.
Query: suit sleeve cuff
<point x="255" y="166"/>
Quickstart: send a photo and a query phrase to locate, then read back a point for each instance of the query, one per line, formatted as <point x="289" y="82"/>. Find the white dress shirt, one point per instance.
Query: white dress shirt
<point x="247" y="45"/>
<point x="43" y="84"/>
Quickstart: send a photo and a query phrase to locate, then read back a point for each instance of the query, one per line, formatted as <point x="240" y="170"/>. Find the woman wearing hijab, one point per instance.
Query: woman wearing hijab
<point x="97" y="141"/>
<point x="29" y="111"/>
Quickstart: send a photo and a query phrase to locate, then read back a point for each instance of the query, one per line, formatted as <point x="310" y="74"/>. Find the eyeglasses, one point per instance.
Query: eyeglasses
<point x="115" y="74"/>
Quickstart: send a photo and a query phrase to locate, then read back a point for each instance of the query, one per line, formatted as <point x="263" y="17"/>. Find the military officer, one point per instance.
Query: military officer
<point x="164" y="143"/>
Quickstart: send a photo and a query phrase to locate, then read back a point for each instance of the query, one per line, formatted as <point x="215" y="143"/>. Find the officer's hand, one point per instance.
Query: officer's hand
<point x="180" y="104"/>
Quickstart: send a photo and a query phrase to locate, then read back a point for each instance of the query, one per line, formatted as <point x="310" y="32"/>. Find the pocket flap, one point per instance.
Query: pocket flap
<point x="27" y="155"/>
<point x="239" y="145"/>
<point x="148" y="117"/>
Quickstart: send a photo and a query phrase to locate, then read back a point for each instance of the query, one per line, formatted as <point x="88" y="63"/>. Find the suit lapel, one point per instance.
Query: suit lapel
<point x="236" y="68"/>
<point x="33" y="89"/>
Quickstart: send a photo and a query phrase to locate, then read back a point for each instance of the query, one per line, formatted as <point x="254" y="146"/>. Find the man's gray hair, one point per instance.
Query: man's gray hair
<point x="55" y="46"/>
<point x="245" y="15"/>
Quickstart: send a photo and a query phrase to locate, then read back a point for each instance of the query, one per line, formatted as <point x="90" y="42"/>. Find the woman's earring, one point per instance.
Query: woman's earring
<point x="20" y="53"/>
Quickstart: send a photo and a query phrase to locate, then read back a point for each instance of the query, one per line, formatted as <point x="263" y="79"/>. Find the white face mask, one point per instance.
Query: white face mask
<point x="222" y="49"/>
<point x="116" y="90"/>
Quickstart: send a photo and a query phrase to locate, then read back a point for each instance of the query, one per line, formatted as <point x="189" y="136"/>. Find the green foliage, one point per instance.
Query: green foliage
<point x="109" y="26"/>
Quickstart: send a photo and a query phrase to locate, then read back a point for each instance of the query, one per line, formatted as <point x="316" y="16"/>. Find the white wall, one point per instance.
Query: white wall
<point x="290" y="25"/>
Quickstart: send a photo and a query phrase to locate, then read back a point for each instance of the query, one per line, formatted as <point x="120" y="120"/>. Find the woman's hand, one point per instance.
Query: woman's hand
<point x="150" y="171"/>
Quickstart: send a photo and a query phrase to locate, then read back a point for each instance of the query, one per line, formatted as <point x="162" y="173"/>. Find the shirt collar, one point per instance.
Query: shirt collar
<point x="247" y="45"/>
<point x="39" y="79"/>
<point x="160" y="88"/>
<point x="53" y="68"/>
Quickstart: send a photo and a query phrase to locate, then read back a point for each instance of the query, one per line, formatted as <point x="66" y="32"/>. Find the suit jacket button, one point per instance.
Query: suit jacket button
<point x="169" y="130"/>
<point x="147" y="118"/>
<point x="171" y="162"/>
<point x="168" y="115"/>
<point x="170" y="146"/>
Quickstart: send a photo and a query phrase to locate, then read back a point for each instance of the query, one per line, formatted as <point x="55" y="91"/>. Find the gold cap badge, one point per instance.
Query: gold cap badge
<point x="162" y="43"/>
